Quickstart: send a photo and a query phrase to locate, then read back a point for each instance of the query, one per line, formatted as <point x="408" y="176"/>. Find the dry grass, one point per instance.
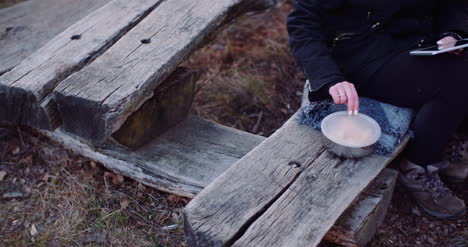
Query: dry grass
<point x="250" y="80"/>
<point x="72" y="201"/>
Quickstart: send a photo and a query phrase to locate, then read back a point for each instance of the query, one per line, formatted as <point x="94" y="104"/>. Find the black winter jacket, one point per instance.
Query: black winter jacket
<point x="338" y="40"/>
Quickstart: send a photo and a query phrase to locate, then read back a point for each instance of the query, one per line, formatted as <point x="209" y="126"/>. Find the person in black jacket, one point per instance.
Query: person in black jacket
<point x="351" y="48"/>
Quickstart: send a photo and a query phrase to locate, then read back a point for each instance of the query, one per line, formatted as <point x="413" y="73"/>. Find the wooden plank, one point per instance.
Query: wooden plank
<point x="237" y="197"/>
<point x="25" y="90"/>
<point x="27" y="26"/>
<point x="261" y="201"/>
<point x="183" y="160"/>
<point x="311" y="206"/>
<point x="96" y="101"/>
<point x="169" y="106"/>
<point x="358" y="224"/>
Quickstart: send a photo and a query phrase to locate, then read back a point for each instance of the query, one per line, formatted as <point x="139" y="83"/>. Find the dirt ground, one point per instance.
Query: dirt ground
<point x="51" y="197"/>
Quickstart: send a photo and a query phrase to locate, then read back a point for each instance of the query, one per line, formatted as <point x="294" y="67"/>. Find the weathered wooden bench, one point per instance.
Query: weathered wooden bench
<point x="28" y="26"/>
<point x="288" y="191"/>
<point x="110" y="88"/>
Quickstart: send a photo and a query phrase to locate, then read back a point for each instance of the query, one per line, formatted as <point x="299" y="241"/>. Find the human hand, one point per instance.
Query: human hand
<point x="345" y="93"/>
<point x="448" y="42"/>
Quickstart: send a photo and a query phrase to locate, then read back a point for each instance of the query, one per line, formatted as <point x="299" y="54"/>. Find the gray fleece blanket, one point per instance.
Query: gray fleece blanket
<point x="394" y="121"/>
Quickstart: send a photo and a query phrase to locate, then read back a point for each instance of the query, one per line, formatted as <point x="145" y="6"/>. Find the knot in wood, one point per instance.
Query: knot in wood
<point x="294" y="164"/>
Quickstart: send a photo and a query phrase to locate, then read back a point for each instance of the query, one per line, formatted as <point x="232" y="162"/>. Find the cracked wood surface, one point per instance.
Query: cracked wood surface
<point x="96" y="101"/>
<point x="183" y="160"/>
<point x="218" y="213"/>
<point x="27" y="26"/>
<point x="25" y="90"/>
<point x="358" y="224"/>
<point x="261" y="201"/>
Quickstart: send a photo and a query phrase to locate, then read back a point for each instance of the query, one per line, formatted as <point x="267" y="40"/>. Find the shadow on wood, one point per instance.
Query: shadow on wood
<point x="170" y="105"/>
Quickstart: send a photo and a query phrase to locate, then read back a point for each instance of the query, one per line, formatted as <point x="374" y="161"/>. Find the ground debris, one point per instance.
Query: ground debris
<point x="14" y="195"/>
<point x="33" y="230"/>
<point x="95" y="238"/>
<point x="2" y="175"/>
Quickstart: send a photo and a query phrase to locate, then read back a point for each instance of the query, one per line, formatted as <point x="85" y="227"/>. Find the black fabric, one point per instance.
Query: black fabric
<point x="437" y="86"/>
<point x="375" y="31"/>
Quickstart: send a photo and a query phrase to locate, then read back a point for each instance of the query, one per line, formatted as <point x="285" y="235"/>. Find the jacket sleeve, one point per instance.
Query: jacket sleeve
<point x="308" y="44"/>
<point x="454" y="17"/>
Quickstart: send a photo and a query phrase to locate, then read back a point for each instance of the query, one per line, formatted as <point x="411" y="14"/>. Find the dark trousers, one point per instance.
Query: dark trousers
<point x="437" y="86"/>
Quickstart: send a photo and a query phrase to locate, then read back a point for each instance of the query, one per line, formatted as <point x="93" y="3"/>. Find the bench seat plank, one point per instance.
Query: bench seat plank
<point x="216" y="215"/>
<point x="358" y="224"/>
<point x="25" y="90"/>
<point x="96" y="101"/>
<point x="183" y="160"/>
<point x="27" y="26"/>
<point x="256" y="203"/>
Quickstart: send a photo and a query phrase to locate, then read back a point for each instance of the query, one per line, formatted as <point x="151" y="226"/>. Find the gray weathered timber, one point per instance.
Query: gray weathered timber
<point x="27" y="26"/>
<point x="96" y="101"/>
<point x="358" y="224"/>
<point x="182" y="161"/>
<point x="222" y="210"/>
<point x="170" y="105"/>
<point x="280" y="194"/>
<point x="24" y="91"/>
<point x="309" y="208"/>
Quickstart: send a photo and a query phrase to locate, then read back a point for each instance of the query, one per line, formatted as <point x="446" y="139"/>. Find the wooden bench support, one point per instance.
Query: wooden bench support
<point x="358" y="224"/>
<point x="183" y="160"/>
<point x="288" y="191"/>
<point x="170" y="105"/>
<point x="95" y="101"/>
<point x="25" y="91"/>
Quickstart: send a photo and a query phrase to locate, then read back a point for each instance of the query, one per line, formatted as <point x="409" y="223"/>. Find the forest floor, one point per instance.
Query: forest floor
<point x="52" y="197"/>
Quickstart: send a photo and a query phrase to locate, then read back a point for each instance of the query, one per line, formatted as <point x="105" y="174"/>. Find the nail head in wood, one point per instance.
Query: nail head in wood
<point x="146" y="41"/>
<point x="75" y="37"/>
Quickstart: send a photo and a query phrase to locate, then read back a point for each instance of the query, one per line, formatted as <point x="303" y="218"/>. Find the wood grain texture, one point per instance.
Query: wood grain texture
<point x="29" y="25"/>
<point x="25" y="90"/>
<point x="169" y="106"/>
<point x="263" y="201"/>
<point x="358" y="224"/>
<point x="311" y="206"/>
<point x="97" y="100"/>
<point x="237" y="197"/>
<point x="183" y="160"/>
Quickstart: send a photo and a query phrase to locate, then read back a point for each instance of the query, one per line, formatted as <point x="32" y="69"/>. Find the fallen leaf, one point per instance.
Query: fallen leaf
<point x="92" y="164"/>
<point x="33" y="230"/>
<point x="118" y="179"/>
<point x="185" y="200"/>
<point x="173" y="198"/>
<point x="109" y="174"/>
<point x="124" y="203"/>
<point x="2" y="175"/>
<point x="26" y="160"/>
<point x="141" y="187"/>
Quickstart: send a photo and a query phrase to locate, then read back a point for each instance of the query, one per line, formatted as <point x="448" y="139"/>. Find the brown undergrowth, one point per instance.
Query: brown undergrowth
<point x="50" y="197"/>
<point x="249" y="79"/>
